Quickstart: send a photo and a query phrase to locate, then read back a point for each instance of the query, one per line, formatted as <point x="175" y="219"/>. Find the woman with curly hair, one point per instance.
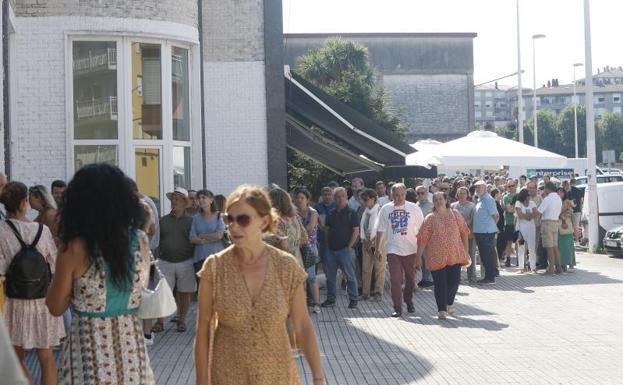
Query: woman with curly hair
<point x="102" y="268"/>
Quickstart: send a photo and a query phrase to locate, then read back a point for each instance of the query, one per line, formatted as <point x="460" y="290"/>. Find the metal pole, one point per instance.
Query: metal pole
<point x="575" y="114"/>
<point x="591" y="188"/>
<point x="519" y="87"/>
<point x="534" y="112"/>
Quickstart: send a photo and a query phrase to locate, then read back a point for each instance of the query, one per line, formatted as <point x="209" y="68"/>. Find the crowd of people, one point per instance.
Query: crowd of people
<point x="253" y="260"/>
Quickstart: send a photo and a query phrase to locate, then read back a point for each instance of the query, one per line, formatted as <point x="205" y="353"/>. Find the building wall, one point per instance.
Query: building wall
<point x="178" y="11"/>
<point x="235" y="94"/>
<point x="39" y="129"/>
<point x="436" y="105"/>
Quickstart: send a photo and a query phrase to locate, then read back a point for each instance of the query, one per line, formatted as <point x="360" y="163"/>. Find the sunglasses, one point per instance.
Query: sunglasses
<point x="242" y="220"/>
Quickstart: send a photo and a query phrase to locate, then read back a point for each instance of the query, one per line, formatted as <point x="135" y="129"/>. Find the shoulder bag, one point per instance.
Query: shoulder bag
<point x="157" y="303"/>
<point x="466" y="260"/>
<point x="213" y="326"/>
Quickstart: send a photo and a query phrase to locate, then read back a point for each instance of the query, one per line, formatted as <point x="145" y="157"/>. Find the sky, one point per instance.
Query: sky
<point x="495" y="47"/>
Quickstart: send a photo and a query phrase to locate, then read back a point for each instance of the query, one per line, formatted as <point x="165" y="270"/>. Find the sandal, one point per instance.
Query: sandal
<point x="157" y="328"/>
<point x="181" y="327"/>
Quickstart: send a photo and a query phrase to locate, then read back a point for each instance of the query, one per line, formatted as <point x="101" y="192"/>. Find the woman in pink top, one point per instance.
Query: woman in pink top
<point x="443" y="239"/>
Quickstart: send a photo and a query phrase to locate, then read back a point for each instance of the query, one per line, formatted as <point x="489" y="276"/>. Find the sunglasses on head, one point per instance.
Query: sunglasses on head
<point x="242" y="220"/>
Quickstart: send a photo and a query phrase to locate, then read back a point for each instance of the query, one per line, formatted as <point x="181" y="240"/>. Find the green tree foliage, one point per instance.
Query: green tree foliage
<point x="342" y="69"/>
<point x="609" y="134"/>
<point x="567" y="131"/>
<point x="549" y="136"/>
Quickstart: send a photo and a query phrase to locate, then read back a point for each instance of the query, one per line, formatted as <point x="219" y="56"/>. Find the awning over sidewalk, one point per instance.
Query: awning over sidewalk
<point x="342" y="139"/>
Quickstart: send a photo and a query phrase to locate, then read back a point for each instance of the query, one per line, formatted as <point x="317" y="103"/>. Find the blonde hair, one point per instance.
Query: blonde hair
<point x="257" y="198"/>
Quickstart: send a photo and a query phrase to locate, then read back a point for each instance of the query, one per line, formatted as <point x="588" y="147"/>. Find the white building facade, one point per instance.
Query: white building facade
<point x="174" y="92"/>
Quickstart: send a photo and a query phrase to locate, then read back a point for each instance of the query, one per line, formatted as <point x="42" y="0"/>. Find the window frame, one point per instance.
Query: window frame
<point x="125" y="142"/>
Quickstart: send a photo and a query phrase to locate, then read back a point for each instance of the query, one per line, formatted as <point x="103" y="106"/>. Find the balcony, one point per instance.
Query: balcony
<point x="97" y="109"/>
<point x="106" y="61"/>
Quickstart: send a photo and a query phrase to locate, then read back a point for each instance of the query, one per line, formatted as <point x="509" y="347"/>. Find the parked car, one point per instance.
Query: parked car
<point x="610" y="210"/>
<point x="613" y="240"/>
<point x="581" y="181"/>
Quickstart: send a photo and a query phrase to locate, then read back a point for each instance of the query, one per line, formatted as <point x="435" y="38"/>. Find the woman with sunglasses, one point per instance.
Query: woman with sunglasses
<point x="309" y="217"/>
<point x="42" y="202"/>
<point x="207" y="230"/>
<point x="252" y="288"/>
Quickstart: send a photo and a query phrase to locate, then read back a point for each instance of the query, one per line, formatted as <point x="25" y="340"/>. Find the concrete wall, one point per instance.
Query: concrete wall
<point x="428" y="77"/>
<point x="179" y="11"/>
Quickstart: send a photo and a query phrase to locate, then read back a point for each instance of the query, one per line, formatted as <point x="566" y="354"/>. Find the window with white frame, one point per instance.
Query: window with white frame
<point x="131" y="107"/>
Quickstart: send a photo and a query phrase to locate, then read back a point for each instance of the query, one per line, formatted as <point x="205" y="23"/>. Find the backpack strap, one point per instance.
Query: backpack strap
<point x="17" y="234"/>
<point x="38" y="236"/>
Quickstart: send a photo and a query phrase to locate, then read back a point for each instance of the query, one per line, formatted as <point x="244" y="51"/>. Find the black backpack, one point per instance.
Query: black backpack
<point x="29" y="274"/>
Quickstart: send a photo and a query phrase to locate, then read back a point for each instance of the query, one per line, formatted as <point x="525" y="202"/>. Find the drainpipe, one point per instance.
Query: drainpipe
<point x="5" y="88"/>
<point x="201" y="81"/>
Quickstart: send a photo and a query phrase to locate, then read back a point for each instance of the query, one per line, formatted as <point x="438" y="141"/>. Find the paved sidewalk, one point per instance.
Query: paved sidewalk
<point x="526" y="329"/>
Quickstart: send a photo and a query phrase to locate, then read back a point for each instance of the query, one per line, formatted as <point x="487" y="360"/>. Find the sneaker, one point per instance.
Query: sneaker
<point x="377" y="297"/>
<point x="149" y="339"/>
<point x="450" y="309"/>
<point x="425" y="284"/>
<point x="328" y="303"/>
<point x="316" y="309"/>
<point x="442" y="315"/>
<point x="396" y="314"/>
<point x="352" y="304"/>
<point x="410" y="308"/>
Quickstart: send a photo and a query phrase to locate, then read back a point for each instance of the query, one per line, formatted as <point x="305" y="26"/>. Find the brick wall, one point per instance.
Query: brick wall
<point x="235" y="114"/>
<point x="432" y="105"/>
<point x="179" y="11"/>
<point x="233" y="30"/>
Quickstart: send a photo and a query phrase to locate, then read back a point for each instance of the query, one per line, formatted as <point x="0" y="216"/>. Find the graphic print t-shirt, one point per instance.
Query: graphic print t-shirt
<point x="400" y="225"/>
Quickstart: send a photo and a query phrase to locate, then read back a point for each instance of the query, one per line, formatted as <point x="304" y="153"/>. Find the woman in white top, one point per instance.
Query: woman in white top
<point x="526" y="211"/>
<point x="371" y="260"/>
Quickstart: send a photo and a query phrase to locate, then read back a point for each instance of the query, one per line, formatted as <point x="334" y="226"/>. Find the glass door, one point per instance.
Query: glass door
<point x="148" y="172"/>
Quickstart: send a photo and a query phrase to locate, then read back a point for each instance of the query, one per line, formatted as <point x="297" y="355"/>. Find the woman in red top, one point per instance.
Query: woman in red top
<point x="443" y="239"/>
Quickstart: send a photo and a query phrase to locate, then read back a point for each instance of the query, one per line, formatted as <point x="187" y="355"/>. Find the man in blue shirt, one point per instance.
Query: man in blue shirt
<point x="324" y="207"/>
<point x="485" y="219"/>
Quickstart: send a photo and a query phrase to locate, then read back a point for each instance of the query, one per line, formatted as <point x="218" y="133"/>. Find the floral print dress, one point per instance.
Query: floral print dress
<point x="106" y="344"/>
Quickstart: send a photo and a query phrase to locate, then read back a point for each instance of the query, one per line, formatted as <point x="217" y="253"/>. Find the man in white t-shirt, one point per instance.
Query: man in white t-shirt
<point x="550" y="210"/>
<point x="398" y="224"/>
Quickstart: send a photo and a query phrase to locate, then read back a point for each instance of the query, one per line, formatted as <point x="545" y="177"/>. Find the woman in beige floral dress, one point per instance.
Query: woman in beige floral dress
<point x="256" y="287"/>
<point x="101" y="272"/>
<point x="30" y="324"/>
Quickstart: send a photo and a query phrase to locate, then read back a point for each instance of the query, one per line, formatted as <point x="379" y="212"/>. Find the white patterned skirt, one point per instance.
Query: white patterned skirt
<point x="106" y="351"/>
<point x="31" y="325"/>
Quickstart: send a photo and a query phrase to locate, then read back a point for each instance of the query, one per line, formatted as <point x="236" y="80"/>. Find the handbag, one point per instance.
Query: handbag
<point x="157" y="303"/>
<point x="467" y="259"/>
<point x="213" y="327"/>
<point x="309" y="256"/>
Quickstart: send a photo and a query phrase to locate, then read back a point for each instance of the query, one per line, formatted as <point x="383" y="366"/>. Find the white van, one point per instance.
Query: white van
<point x="609" y="207"/>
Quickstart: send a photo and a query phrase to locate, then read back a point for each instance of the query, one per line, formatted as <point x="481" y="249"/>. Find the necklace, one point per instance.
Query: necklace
<point x="241" y="259"/>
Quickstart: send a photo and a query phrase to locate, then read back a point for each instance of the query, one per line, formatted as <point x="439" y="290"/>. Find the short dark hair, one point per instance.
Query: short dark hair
<point x="380" y="182"/>
<point x="522" y="176"/>
<point x="304" y="191"/>
<point x="326" y="189"/>
<point x="13" y="194"/>
<point x="369" y="193"/>
<point x="550" y="186"/>
<point x="58" y="183"/>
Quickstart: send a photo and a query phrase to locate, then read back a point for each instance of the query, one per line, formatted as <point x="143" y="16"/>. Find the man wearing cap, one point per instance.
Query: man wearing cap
<point x="550" y="212"/>
<point x="176" y="254"/>
<point x="486" y="217"/>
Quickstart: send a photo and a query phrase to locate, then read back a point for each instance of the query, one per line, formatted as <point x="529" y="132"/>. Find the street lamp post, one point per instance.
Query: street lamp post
<point x="519" y="87"/>
<point x="575" y="110"/>
<point x="591" y="187"/>
<point x="534" y="111"/>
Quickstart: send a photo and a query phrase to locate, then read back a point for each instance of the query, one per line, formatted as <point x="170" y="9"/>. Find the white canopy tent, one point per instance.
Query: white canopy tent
<point x="425" y="144"/>
<point x="484" y="149"/>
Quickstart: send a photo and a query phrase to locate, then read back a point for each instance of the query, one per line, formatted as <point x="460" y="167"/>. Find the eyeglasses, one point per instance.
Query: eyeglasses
<point x="242" y="220"/>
